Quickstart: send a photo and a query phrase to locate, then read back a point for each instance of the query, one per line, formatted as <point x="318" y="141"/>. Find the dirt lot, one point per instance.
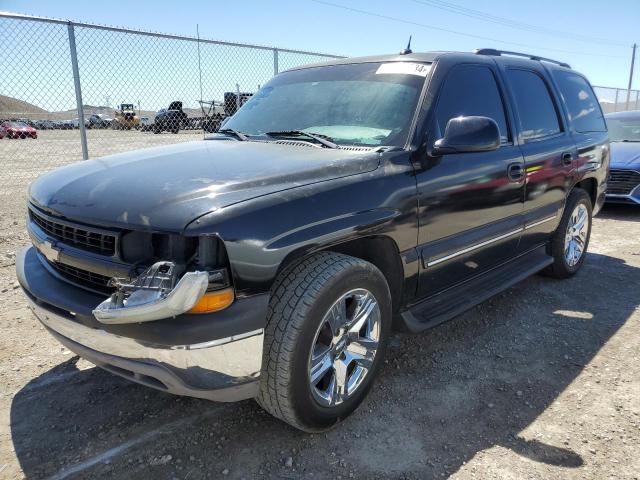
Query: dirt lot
<point x="542" y="381"/>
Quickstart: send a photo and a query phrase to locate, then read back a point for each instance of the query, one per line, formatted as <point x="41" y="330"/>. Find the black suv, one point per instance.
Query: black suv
<point x="170" y="119"/>
<point x="271" y="260"/>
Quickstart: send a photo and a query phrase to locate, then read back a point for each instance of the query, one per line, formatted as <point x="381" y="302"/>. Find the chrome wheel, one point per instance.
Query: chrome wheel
<point x="344" y="347"/>
<point x="575" y="239"/>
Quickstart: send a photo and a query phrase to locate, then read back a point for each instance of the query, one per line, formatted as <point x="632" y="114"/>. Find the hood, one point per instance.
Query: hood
<point x="164" y="188"/>
<point x="625" y="155"/>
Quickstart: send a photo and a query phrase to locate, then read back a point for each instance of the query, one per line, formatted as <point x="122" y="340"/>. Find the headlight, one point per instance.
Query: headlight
<point x="155" y="294"/>
<point x="164" y="290"/>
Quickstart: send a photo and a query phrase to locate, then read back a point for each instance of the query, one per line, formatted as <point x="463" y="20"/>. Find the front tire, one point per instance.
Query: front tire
<point x="328" y="324"/>
<point x="571" y="239"/>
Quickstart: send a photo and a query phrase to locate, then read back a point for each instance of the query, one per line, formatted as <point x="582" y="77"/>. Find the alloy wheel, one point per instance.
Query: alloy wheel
<point x="344" y="347"/>
<point x="575" y="240"/>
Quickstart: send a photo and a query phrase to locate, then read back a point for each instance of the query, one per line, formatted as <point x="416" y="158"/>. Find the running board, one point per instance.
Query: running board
<point x="456" y="300"/>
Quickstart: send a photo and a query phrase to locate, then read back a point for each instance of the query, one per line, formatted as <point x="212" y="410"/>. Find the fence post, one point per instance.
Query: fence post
<point x="76" y="83"/>
<point x="615" y="104"/>
<point x="275" y="61"/>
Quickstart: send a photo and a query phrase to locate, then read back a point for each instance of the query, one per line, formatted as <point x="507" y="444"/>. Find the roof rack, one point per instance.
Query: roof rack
<point x="497" y="53"/>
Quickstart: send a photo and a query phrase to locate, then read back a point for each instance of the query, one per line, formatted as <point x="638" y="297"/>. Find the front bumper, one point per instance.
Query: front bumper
<point x="632" y="198"/>
<point x="207" y="366"/>
<point x="624" y="186"/>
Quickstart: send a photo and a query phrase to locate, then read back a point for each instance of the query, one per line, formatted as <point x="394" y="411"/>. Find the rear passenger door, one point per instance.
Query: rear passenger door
<point x="470" y="205"/>
<point x="587" y="127"/>
<point x="548" y="149"/>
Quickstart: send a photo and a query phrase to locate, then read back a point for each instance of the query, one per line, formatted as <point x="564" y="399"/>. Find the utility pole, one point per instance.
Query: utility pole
<point x="633" y="61"/>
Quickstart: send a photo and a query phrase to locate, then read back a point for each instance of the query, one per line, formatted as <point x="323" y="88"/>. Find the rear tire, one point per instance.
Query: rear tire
<point x="311" y="378"/>
<point x="569" y="242"/>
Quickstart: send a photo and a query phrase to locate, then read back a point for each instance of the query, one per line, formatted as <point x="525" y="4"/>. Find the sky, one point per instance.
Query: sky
<point x="595" y="37"/>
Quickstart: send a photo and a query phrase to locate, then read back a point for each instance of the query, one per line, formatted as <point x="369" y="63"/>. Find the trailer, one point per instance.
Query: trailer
<point x="215" y="112"/>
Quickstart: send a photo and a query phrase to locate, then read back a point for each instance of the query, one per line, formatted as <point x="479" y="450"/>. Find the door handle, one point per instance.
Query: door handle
<point x="515" y="172"/>
<point x="567" y="159"/>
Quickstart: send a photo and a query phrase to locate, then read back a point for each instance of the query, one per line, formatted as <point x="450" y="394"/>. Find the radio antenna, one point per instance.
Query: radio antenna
<point x="407" y="50"/>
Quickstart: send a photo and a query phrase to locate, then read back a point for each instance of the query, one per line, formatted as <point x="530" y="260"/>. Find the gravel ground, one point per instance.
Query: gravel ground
<point x="542" y="381"/>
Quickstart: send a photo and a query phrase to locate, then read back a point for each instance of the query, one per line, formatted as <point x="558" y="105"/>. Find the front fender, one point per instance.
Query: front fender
<point x="262" y="234"/>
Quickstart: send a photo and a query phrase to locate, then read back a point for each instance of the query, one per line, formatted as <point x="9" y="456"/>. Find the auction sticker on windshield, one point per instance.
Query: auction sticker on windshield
<point x="406" y="68"/>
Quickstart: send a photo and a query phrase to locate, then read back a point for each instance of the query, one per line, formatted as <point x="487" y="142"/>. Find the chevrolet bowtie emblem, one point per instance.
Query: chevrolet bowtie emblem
<point x="49" y="251"/>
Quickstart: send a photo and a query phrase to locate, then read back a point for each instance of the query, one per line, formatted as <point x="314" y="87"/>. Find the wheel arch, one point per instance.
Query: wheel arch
<point x="380" y="250"/>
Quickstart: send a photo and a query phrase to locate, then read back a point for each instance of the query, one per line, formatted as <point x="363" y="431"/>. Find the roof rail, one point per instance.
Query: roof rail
<point x="497" y="53"/>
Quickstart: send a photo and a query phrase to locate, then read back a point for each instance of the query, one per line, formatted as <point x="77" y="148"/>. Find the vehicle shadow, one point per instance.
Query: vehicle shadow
<point x="471" y="384"/>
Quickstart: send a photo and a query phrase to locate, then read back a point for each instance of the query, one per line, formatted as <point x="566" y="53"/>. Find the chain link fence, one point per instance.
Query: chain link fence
<point x="87" y="91"/>
<point x="617" y="99"/>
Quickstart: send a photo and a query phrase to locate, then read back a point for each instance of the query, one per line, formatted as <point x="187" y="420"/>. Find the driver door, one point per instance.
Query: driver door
<point x="470" y="204"/>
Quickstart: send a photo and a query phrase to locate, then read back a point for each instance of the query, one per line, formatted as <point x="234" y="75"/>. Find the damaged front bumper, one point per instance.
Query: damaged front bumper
<point x="216" y="357"/>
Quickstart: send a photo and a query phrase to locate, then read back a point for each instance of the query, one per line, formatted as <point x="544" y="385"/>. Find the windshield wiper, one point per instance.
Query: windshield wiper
<point x="239" y="135"/>
<point x="322" y="139"/>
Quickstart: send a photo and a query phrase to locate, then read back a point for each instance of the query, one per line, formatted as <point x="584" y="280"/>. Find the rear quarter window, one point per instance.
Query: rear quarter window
<point x="584" y="111"/>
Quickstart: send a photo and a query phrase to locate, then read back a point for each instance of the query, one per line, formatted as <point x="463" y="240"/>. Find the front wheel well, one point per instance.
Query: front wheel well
<point x="381" y="251"/>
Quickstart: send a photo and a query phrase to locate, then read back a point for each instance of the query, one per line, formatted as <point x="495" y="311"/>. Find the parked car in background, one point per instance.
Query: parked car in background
<point x="270" y="260"/>
<point x="27" y="121"/>
<point x="624" y="180"/>
<point x="170" y="119"/>
<point x="99" y="120"/>
<point x="12" y="129"/>
<point x="76" y="123"/>
<point x="44" y="124"/>
<point x="146" y="124"/>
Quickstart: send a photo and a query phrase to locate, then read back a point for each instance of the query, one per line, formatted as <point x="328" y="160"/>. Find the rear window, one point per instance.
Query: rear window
<point x="538" y="115"/>
<point x="577" y="94"/>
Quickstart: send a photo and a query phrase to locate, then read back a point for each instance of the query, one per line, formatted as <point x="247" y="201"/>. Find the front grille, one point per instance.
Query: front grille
<point x="76" y="236"/>
<point x="622" y="182"/>
<point x="83" y="278"/>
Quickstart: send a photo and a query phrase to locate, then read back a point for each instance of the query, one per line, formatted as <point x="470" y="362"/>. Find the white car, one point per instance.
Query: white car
<point x="76" y="123"/>
<point x="145" y="124"/>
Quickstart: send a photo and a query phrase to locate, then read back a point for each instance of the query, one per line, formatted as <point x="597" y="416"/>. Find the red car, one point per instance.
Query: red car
<point x="17" y="130"/>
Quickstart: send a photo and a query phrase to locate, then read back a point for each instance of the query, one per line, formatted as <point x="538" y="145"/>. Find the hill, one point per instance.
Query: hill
<point x="10" y="106"/>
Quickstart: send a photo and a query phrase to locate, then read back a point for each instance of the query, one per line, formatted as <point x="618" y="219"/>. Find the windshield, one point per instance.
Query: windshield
<point x="362" y="104"/>
<point x="18" y="124"/>
<point x="624" y="129"/>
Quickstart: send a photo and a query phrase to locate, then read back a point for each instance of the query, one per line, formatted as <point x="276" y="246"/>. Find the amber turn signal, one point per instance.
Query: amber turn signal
<point x="214" y="301"/>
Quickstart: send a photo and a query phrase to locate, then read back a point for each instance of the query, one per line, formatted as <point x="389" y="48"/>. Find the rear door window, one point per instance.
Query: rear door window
<point x="537" y="112"/>
<point x="471" y="90"/>
<point x="584" y="111"/>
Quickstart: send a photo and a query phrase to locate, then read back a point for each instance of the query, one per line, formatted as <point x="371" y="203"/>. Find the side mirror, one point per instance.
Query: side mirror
<point x="468" y="134"/>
